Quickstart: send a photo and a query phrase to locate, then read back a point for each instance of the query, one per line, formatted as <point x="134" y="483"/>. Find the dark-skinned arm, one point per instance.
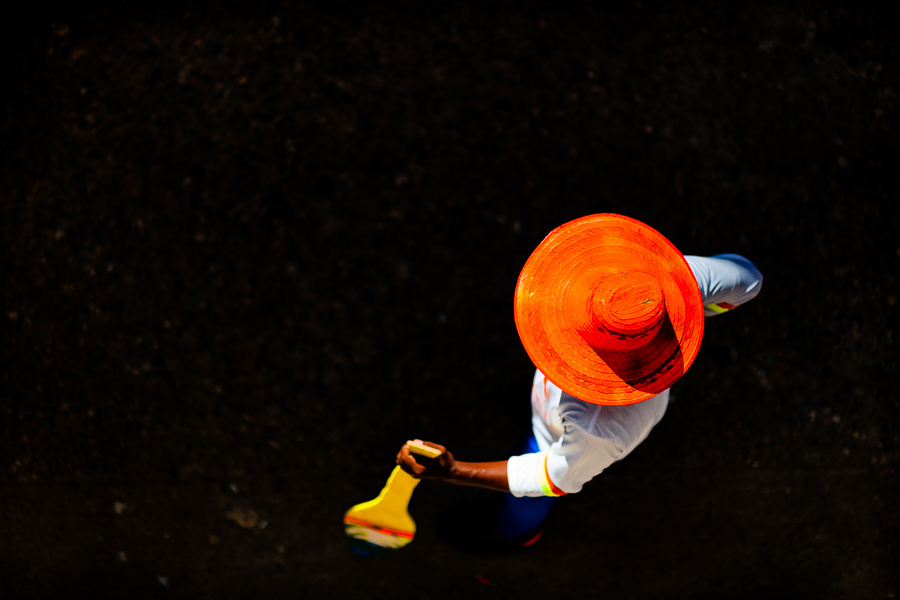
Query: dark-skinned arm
<point x="489" y="475"/>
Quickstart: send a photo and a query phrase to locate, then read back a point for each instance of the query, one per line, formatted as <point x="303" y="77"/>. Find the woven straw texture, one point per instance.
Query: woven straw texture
<point x="609" y="310"/>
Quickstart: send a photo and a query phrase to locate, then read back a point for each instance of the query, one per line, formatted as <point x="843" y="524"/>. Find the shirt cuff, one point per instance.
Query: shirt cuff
<point x="527" y="476"/>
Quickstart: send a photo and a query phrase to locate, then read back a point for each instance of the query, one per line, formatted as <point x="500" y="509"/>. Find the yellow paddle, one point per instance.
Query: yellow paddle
<point x="384" y="524"/>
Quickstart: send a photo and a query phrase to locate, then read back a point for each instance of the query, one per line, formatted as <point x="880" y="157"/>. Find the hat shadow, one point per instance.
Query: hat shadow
<point x="636" y="368"/>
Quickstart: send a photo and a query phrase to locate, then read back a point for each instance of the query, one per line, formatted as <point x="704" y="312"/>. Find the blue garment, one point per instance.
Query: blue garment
<point x="521" y="517"/>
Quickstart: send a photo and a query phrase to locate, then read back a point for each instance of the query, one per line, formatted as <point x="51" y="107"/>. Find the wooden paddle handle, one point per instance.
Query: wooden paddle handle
<point x="423" y="450"/>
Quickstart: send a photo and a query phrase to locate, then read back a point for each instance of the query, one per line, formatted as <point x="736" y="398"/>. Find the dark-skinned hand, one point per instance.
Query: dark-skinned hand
<point x="420" y="467"/>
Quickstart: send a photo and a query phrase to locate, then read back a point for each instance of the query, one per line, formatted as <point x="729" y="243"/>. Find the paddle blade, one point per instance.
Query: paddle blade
<point x="384" y="524"/>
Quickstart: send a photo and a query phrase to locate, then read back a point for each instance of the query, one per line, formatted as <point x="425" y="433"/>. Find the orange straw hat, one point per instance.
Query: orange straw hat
<point x="609" y="310"/>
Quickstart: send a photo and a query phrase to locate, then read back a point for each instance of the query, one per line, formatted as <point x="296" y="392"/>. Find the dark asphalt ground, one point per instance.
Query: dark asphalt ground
<point x="251" y="248"/>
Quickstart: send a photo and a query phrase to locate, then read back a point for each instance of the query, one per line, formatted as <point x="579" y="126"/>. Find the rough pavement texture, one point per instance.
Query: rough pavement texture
<point x="249" y="249"/>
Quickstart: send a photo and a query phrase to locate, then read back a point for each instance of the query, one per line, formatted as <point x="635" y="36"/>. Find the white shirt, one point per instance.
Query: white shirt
<point x="578" y="439"/>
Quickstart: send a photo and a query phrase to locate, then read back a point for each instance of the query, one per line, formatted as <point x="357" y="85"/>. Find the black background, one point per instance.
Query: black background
<point x="249" y="248"/>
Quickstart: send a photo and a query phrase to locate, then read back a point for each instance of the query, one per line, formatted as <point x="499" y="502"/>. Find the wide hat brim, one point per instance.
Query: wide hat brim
<point x="583" y="254"/>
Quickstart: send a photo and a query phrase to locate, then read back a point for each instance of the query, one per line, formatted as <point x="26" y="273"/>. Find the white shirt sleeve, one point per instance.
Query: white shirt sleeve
<point x="594" y="437"/>
<point x="572" y="461"/>
<point x="726" y="281"/>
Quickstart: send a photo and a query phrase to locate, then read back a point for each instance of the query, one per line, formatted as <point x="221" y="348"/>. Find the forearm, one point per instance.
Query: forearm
<point x="490" y="475"/>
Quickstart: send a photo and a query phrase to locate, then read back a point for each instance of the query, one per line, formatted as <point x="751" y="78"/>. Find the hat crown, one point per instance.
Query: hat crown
<point x="627" y="310"/>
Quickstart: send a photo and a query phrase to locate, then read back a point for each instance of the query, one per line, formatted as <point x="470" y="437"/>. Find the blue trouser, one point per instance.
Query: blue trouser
<point x="522" y="517"/>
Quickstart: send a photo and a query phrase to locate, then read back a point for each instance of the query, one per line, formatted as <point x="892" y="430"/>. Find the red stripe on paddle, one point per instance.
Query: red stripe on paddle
<point x="386" y="530"/>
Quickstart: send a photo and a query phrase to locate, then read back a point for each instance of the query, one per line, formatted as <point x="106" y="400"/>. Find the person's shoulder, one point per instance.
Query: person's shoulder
<point x="586" y="412"/>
